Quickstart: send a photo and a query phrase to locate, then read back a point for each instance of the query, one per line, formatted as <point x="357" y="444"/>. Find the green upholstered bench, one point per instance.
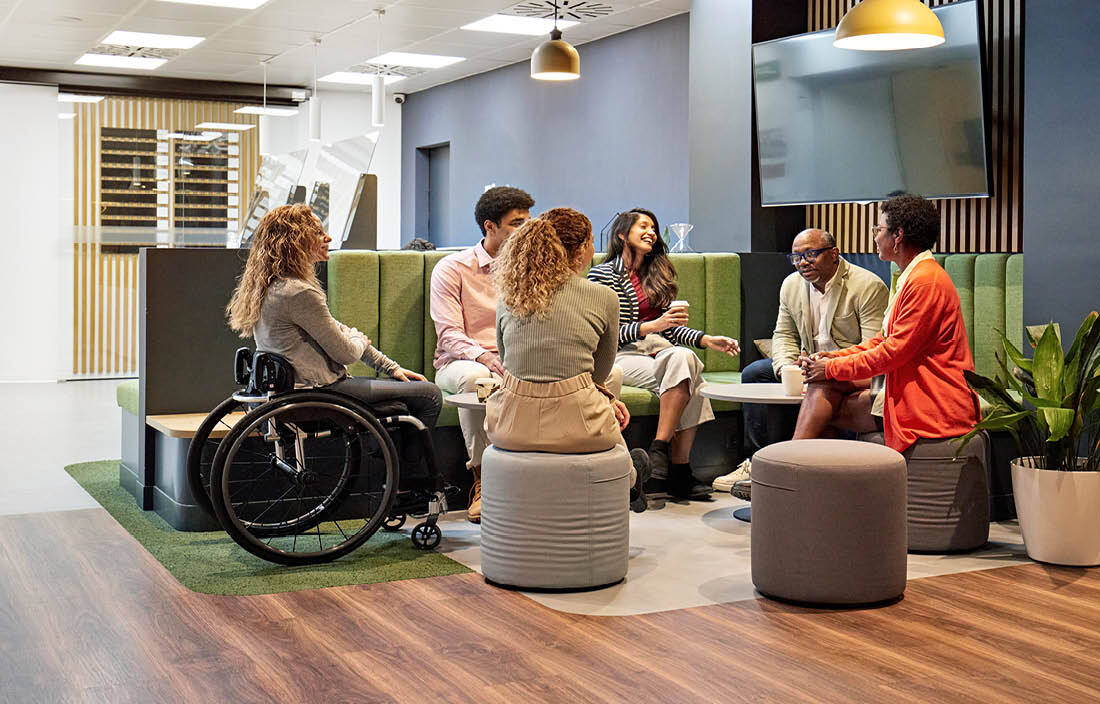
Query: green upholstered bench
<point x="386" y="295"/>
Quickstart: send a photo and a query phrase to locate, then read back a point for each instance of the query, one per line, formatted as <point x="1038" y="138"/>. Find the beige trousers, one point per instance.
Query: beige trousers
<point x="657" y="365"/>
<point x="459" y="377"/>
<point x="568" y="416"/>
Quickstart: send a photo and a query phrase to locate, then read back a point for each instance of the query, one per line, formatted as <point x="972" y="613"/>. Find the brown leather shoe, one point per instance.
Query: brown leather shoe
<point x="473" y="511"/>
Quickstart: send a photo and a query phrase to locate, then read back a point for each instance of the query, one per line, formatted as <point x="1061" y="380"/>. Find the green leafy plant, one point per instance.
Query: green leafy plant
<point x="1049" y="403"/>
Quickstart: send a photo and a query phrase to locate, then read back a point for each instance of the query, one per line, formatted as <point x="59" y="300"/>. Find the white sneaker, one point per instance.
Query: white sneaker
<point x="725" y="482"/>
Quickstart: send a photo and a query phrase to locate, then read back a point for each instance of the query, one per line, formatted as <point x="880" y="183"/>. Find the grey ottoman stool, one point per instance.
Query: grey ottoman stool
<point x="555" y="521"/>
<point x="828" y="522"/>
<point x="948" y="498"/>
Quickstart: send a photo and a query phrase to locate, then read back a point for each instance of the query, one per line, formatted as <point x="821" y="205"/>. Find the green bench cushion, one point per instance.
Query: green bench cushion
<point x="401" y="308"/>
<point x="723" y="317"/>
<point x="353" y="295"/>
<point x="126" y="394"/>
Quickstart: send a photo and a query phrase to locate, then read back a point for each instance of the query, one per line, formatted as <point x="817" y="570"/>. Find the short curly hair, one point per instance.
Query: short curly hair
<point x="498" y="201"/>
<point x="917" y="217"/>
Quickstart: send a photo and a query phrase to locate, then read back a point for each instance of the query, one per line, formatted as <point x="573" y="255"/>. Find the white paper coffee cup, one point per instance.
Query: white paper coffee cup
<point x="793" y="378"/>
<point x="679" y="304"/>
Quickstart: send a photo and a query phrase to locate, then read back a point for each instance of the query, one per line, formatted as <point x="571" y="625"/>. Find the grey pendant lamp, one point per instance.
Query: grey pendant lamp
<point x="555" y="59"/>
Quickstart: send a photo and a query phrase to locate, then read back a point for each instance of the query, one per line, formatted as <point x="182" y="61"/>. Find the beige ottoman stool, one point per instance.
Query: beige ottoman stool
<point x="828" y="522"/>
<point x="551" y="521"/>
<point x="948" y="497"/>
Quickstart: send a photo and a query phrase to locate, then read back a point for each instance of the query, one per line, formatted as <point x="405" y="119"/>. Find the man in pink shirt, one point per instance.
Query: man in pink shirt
<point x="464" y="308"/>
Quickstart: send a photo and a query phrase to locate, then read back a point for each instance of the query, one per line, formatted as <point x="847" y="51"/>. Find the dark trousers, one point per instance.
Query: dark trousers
<point x="423" y="399"/>
<point x="765" y="423"/>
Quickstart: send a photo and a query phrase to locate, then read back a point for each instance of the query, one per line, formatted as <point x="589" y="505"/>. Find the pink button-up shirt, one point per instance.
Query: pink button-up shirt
<point x="463" y="306"/>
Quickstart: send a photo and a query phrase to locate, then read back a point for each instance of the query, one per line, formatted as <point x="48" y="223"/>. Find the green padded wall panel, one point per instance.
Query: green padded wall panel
<point x="431" y="258"/>
<point x="691" y="277"/>
<point x="401" y="307"/>
<point x="1014" y="300"/>
<point x="960" y="267"/>
<point x="353" y="295"/>
<point x="989" y="310"/>
<point x="723" y="293"/>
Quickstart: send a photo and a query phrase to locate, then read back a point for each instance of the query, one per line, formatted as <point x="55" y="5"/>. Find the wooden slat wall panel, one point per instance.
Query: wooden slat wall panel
<point x="105" y="284"/>
<point x="969" y="224"/>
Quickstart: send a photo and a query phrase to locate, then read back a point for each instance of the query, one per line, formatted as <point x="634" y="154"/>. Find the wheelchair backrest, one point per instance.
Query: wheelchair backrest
<point x="263" y="372"/>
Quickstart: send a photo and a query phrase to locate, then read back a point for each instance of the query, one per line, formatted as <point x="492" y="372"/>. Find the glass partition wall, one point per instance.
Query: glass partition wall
<point x="145" y="174"/>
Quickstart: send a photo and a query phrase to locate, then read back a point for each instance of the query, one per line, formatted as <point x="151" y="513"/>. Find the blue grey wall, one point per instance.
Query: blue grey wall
<point x="1061" y="153"/>
<point x="614" y="139"/>
<point x="720" y="96"/>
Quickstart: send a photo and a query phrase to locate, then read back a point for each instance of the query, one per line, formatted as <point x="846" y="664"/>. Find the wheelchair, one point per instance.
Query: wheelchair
<point x="308" y="475"/>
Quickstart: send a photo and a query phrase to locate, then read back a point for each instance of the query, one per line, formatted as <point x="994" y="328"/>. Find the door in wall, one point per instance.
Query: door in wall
<point x="439" y="197"/>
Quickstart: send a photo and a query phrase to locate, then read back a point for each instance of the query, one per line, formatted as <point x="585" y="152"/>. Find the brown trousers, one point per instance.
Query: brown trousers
<point x="568" y="416"/>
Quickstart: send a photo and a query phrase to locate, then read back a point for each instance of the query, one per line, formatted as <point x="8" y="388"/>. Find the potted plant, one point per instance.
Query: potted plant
<point x="1051" y="406"/>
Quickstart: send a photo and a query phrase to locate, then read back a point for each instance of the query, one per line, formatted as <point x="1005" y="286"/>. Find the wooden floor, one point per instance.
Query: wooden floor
<point x="87" y="615"/>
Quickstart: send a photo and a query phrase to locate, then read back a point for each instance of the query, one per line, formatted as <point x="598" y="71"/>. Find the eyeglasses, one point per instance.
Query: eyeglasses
<point x="810" y="255"/>
<point x="877" y="229"/>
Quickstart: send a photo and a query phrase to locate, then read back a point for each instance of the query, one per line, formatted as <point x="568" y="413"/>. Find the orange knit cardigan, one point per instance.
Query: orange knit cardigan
<point x="923" y="355"/>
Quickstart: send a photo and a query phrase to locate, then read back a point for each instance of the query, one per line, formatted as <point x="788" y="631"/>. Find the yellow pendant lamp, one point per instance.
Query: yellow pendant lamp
<point x="889" y="25"/>
<point x="555" y="59"/>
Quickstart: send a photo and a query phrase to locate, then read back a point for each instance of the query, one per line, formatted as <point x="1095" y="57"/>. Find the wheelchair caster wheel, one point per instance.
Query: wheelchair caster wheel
<point x="393" y="523"/>
<point x="426" y="536"/>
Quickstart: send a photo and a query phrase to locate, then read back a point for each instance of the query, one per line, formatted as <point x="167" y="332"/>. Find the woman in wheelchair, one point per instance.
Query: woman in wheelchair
<point x="311" y="471"/>
<point x="279" y="303"/>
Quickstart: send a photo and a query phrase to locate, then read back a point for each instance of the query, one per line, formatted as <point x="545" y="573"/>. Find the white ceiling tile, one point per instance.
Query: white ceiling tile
<point x="190" y="13"/>
<point x="163" y="26"/>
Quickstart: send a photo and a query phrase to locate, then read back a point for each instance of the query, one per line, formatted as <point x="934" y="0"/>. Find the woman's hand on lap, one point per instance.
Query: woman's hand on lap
<point x="815" y="370"/>
<point x="403" y="374"/>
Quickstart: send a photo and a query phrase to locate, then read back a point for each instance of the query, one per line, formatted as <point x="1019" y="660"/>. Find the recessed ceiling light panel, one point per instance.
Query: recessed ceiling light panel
<point x="402" y="58"/>
<point x="138" y="63"/>
<point x="360" y="78"/>
<point x="235" y="4"/>
<point x="516" y="24"/>
<point x="270" y="111"/>
<point x="152" y="41"/>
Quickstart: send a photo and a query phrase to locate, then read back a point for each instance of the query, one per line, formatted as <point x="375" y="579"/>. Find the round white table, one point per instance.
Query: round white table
<point x="749" y="393"/>
<point x="466" y="400"/>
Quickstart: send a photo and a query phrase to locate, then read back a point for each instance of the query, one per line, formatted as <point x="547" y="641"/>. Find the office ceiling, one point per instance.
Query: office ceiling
<point x="52" y="34"/>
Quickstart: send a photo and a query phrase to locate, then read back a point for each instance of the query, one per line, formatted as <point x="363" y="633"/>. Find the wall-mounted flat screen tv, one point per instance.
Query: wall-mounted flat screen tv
<point x="837" y="125"/>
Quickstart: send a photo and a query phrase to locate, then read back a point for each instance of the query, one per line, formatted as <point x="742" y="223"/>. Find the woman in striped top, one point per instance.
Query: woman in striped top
<point x="653" y="346"/>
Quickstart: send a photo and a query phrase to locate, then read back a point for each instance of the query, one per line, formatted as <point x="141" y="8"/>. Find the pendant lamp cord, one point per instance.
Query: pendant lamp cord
<point x="555" y="33"/>
<point x="264" y="64"/>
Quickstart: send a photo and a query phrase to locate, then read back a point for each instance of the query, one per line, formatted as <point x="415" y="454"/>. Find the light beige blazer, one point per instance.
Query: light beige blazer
<point x="855" y="313"/>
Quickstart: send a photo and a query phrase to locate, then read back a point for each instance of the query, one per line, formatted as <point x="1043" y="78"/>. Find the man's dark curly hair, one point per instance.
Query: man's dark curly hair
<point x="917" y="217"/>
<point x="496" y="202"/>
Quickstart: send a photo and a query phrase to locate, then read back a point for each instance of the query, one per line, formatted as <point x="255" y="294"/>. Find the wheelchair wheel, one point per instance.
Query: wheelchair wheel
<point x="305" y="478"/>
<point x="426" y="536"/>
<point x="394" y="523"/>
<point x="203" y="447"/>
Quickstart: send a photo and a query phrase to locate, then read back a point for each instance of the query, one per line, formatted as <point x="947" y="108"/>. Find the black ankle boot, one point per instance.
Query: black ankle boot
<point x="638" y="500"/>
<point x="658" y="468"/>
<point x="682" y="484"/>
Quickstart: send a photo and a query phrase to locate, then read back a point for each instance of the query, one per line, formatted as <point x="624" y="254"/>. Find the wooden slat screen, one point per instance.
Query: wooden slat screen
<point x="105" y="276"/>
<point x="969" y="224"/>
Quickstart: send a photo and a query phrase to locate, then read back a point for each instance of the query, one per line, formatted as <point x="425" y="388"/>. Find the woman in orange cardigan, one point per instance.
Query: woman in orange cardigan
<point x="922" y="352"/>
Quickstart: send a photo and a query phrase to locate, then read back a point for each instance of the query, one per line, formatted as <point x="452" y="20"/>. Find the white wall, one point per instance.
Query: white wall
<point x="344" y="115"/>
<point x="35" y="252"/>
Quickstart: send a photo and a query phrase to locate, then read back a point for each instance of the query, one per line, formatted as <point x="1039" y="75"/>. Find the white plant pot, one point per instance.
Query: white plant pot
<point x="1059" y="514"/>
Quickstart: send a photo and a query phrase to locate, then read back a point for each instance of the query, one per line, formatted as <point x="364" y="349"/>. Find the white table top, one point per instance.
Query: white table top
<point x="467" y="400"/>
<point x="749" y="393"/>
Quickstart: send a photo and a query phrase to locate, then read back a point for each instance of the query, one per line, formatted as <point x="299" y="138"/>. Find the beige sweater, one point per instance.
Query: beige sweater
<point x="295" y="322"/>
<point x="580" y="333"/>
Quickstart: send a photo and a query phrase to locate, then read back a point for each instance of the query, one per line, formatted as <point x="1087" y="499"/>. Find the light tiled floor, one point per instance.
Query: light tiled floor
<point x="682" y="555"/>
<point x="697" y="554"/>
<point x="45" y="426"/>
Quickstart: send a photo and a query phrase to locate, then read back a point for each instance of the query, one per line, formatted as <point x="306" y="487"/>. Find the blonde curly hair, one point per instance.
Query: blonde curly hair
<point x="538" y="258"/>
<point x="284" y="246"/>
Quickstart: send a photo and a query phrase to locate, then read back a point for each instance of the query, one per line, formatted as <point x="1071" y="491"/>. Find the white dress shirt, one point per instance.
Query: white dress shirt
<point x="820" y="302"/>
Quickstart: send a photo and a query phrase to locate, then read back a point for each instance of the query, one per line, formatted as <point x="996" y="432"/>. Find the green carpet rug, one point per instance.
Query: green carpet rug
<point x="211" y="563"/>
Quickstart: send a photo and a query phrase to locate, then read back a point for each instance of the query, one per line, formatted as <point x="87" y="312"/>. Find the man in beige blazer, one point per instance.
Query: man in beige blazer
<point x="827" y="304"/>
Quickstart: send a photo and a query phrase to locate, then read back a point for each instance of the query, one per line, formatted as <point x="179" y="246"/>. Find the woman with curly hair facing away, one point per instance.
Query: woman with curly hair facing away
<point x="654" y="346"/>
<point x="279" y="302"/>
<point x="556" y="334"/>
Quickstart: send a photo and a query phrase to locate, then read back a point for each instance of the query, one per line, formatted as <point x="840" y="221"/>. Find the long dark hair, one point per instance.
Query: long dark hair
<point x="656" y="272"/>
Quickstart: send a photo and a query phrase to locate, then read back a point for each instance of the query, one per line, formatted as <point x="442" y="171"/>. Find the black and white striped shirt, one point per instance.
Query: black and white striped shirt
<point x="613" y="275"/>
